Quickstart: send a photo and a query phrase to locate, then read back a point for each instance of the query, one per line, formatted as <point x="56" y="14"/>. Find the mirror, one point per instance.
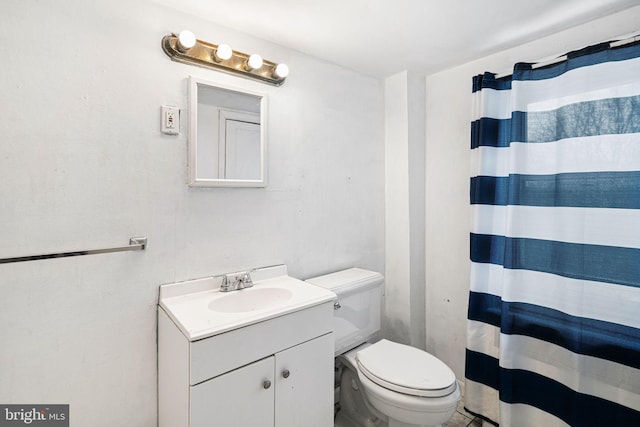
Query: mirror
<point x="226" y="135"/>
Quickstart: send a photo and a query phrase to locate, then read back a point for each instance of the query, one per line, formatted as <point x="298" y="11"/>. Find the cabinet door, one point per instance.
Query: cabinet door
<point x="240" y="398"/>
<point x="304" y="384"/>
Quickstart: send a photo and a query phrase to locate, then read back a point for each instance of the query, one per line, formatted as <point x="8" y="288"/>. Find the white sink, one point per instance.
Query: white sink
<point x="251" y="299"/>
<point x="200" y="310"/>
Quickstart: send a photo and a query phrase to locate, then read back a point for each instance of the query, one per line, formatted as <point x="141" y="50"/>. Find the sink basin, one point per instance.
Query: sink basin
<point x="251" y="299"/>
<point x="200" y="310"/>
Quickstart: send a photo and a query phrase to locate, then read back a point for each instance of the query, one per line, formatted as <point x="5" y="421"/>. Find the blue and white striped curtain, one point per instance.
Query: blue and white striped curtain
<point x="554" y="307"/>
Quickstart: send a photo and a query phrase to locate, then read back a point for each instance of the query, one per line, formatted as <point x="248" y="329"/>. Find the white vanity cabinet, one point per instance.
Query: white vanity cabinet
<point x="288" y="389"/>
<point x="271" y="372"/>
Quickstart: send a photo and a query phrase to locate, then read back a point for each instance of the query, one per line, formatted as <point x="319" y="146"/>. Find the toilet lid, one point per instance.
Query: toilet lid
<point x="406" y="369"/>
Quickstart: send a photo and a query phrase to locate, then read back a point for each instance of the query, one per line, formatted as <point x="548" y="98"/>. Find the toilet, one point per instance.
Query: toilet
<point x="382" y="383"/>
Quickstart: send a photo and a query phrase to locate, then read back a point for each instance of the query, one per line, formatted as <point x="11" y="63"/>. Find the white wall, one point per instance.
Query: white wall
<point x="447" y="188"/>
<point x="84" y="165"/>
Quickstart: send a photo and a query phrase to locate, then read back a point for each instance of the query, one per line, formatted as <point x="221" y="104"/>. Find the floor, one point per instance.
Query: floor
<point x="462" y="418"/>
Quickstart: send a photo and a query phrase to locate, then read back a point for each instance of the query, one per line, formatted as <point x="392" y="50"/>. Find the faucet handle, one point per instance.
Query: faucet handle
<point x="226" y="285"/>
<point x="246" y="279"/>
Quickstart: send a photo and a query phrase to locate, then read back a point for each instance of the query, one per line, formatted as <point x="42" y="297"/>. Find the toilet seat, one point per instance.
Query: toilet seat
<point x="406" y="369"/>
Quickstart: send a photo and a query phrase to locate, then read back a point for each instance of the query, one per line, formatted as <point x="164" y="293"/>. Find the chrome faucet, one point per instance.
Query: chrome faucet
<point x="236" y="281"/>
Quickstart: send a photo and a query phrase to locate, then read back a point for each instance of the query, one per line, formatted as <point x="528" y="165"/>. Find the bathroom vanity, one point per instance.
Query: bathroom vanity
<point x="261" y="356"/>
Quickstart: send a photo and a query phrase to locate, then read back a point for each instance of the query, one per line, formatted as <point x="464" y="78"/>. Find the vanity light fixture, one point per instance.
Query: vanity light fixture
<point x="186" y="48"/>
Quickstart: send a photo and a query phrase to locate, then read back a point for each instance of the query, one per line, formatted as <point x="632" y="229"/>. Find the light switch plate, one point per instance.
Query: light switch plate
<point x="170" y="120"/>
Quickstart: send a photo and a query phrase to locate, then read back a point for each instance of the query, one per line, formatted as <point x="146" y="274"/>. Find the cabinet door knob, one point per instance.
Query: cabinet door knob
<point x="266" y="384"/>
<point x="286" y="373"/>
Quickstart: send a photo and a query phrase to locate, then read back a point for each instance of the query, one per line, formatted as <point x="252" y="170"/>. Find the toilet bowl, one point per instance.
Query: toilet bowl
<point x="408" y="386"/>
<point x="382" y="383"/>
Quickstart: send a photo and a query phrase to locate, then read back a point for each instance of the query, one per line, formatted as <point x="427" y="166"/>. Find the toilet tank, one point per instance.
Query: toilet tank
<point x="357" y="311"/>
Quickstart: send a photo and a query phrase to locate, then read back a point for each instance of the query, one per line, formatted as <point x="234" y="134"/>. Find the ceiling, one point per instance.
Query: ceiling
<point x="383" y="37"/>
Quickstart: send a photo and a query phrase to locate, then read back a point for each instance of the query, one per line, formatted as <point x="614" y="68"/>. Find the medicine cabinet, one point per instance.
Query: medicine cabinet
<point x="227" y="135"/>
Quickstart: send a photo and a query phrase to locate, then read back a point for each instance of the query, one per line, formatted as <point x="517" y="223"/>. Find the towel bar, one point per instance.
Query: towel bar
<point x="135" y="244"/>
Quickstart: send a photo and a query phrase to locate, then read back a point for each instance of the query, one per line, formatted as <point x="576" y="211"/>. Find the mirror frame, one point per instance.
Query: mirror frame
<point x="194" y="181"/>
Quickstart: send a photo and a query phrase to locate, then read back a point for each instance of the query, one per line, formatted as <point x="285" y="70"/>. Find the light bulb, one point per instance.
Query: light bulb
<point x="223" y="52"/>
<point x="186" y="40"/>
<point x="254" y="62"/>
<point x="281" y="71"/>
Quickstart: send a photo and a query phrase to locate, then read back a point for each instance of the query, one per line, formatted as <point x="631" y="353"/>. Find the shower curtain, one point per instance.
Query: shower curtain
<point x="554" y="306"/>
